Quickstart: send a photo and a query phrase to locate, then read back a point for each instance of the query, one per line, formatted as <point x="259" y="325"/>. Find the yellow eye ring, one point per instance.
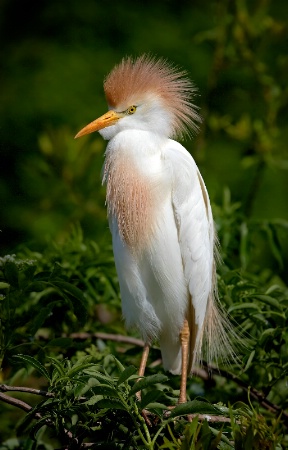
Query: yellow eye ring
<point x="131" y="109"/>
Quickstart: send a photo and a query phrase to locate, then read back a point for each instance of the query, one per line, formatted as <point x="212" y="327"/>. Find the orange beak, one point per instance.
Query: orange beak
<point x="108" y="119"/>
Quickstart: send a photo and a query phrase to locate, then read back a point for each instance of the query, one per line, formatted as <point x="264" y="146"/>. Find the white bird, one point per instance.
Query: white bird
<point x="160" y="215"/>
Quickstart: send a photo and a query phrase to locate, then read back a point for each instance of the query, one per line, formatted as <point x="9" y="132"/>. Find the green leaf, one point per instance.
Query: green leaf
<point x="104" y="389"/>
<point x="243" y="286"/>
<point x="120" y="366"/>
<point x="150" y="397"/>
<point x="77" y="368"/>
<point x="29" y="272"/>
<point x="244" y="252"/>
<point x="56" y="272"/>
<point x="40" y="318"/>
<point x="71" y="289"/>
<point x="131" y="370"/>
<point x="99" y="376"/>
<point x="274" y="243"/>
<point x="268" y="300"/>
<point x="250" y="359"/>
<point x="25" y="421"/>
<point x="216" y="441"/>
<point x="156" y="405"/>
<point x="191" y="434"/>
<point x="11" y="273"/>
<point x="94" y="399"/>
<point x="4" y="285"/>
<point x="58" y="367"/>
<point x="42" y="276"/>
<point x="80" y="388"/>
<point x="37" y="286"/>
<point x="80" y="307"/>
<point x="268" y="333"/>
<point x="243" y="306"/>
<point x="147" y="381"/>
<point x="110" y="404"/>
<point x="194" y="407"/>
<point x="34" y="363"/>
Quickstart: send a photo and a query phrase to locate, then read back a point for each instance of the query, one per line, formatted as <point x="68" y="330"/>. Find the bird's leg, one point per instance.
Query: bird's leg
<point x="144" y="360"/>
<point x="184" y="337"/>
<point x="141" y="372"/>
<point x="143" y="363"/>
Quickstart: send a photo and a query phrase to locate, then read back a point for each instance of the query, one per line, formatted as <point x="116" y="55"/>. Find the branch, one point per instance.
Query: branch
<point x="109" y="337"/>
<point x="27" y="408"/>
<point x="257" y="395"/>
<point x="6" y="388"/>
<point x="15" y="402"/>
<point x="202" y="373"/>
<point x="210" y="418"/>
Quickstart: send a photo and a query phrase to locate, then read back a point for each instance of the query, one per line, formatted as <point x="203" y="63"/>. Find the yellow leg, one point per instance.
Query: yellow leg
<point x="142" y="367"/>
<point x="144" y="360"/>
<point x="141" y="374"/>
<point x="184" y="337"/>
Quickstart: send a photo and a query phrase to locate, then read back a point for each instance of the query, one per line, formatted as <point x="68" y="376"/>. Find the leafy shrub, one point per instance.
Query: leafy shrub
<point x="49" y="323"/>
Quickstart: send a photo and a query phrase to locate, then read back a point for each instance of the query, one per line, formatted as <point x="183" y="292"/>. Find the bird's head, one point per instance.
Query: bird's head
<point x="146" y="94"/>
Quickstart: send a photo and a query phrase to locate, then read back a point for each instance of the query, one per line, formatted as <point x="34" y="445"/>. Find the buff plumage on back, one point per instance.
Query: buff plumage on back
<point x="146" y="74"/>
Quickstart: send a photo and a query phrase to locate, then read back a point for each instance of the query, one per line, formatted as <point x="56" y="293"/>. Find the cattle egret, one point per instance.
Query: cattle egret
<point x="160" y="215"/>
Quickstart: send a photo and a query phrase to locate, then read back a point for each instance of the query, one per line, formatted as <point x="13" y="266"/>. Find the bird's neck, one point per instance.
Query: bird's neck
<point x="139" y="142"/>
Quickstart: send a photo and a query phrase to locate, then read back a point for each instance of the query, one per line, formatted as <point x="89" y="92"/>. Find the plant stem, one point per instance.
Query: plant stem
<point x="148" y="443"/>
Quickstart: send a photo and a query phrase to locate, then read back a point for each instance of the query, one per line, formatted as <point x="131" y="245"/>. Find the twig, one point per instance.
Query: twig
<point x="210" y="418"/>
<point x="109" y="337"/>
<point x="6" y="388"/>
<point x="202" y="373"/>
<point x="257" y="395"/>
<point x="27" y="408"/>
<point x="15" y="402"/>
<point x="27" y="390"/>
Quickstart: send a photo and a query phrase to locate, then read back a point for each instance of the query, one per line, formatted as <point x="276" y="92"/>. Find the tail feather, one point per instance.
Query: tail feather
<point x="214" y="339"/>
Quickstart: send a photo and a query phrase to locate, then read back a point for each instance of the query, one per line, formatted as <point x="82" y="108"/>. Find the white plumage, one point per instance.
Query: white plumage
<point x="159" y="211"/>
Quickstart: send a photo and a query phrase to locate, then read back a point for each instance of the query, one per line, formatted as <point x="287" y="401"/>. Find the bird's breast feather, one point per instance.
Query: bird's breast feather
<point x="133" y="199"/>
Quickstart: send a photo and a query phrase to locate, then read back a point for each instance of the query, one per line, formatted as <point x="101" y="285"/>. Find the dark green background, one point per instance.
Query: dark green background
<point x="54" y="56"/>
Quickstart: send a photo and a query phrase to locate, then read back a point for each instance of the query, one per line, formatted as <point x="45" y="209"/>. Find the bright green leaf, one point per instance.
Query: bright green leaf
<point x="127" y="373"/>
<point x="194" y="407"/>
<point x="34" y="363"/>
<point x="104" y="389"/>
<point x="268" y="300"/>
<point x="147" y="381"/>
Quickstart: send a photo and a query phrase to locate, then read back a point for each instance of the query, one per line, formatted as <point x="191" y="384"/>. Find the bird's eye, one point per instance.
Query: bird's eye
<point x="131" y="109"/>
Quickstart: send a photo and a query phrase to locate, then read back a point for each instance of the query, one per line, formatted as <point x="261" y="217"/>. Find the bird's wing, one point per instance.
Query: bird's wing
<point x="193" y="217"/>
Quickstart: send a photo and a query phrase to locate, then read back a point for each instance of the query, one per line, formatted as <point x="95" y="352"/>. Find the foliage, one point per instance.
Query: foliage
<point x="87" y="401"/>
<point x="47" y="289"/>
<point x="45" y="296"/>
<point x="51" y="76"/>
<point x="59" y="300"/>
